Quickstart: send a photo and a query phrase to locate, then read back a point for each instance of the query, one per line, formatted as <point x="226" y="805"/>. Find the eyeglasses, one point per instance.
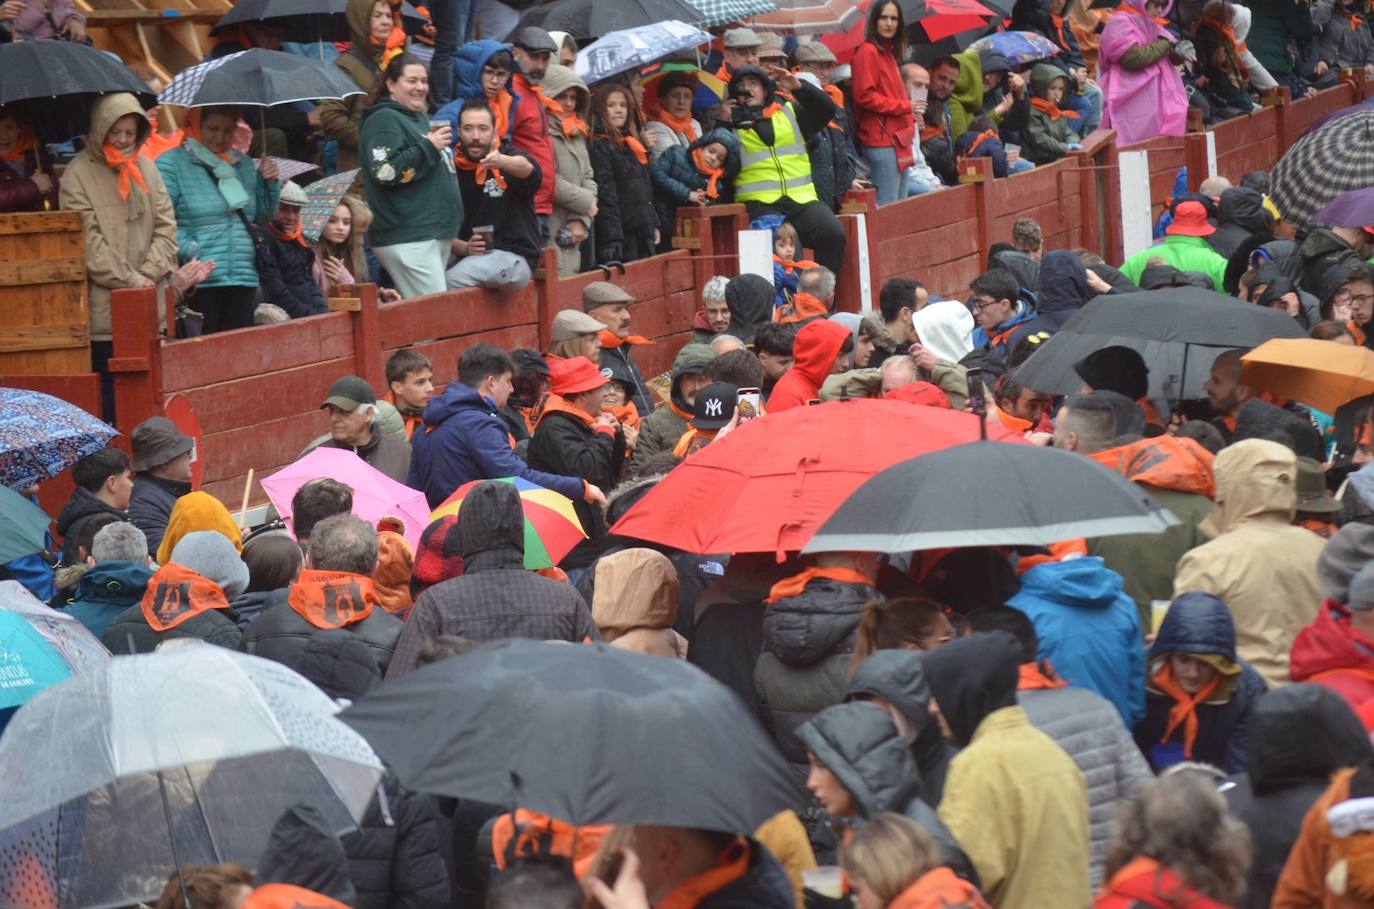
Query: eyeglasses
<point x="1345" y="296"/>
<point x="978" y="305"/>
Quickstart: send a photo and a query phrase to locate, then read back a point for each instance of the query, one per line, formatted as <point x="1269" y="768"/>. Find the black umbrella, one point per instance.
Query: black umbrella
<point x="259" y="78"/>
<point x="1178" y="331"/>
<point x="592" y="19"/>
<point x="52" y="84"/>
<point x="1023" y="495"/>
<point x="306" y="21"/>
<point x="587" y="734"/>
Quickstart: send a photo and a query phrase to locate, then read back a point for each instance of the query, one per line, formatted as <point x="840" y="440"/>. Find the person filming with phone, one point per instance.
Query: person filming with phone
<point x="499" y="242"/>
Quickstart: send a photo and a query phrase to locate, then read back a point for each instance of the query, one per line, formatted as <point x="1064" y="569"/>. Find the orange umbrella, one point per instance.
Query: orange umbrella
<point x="1320" y="374"/>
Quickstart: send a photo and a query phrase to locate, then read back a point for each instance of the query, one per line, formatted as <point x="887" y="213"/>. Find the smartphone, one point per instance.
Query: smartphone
<point x="749" y="404"/>
<point x="812" y="402"/>
<point x="977" y="399"/>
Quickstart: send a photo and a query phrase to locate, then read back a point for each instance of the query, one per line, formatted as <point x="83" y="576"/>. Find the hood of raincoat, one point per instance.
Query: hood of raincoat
<point x="492" y="531"/>
<point x="1255" y="479"/>
<point x="946" y="328"/>
<point x="1165" y="462"/>
<point x="899" y="678"/>
<point x="109" y="108"/>
<point x="635" y="588"/>
<point x="197" y="511"/>
<point x="816" y="347"/>
<point x="467" y="67"/>
<point x="114" y="583"/>
<point x="1043" y="76"/>
<point x="303" y="851"/>
<point x="750" y="298"/>
<point x="860" y="744"/>
<point x="692" y="359"/>
<point x="973" y="676"/>
<point x="1084" y="582"/>
<point x="1197" y="622"/>
<point x="1301" y="734"/>
<point x="358" y="13"/>
<point x="804" y="629"/>
<point x="1244" y="207"/>
<point x="1022" y="267"/>
<point x="769" y="86"/>
<point x="558" y="79"/>
<point x="1063" y="283"/>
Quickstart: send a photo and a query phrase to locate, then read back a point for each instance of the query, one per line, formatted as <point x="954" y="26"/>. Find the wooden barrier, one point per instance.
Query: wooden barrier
<point x="43" y="295"/>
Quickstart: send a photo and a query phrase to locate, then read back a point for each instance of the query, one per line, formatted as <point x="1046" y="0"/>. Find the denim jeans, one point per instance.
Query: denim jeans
<point x="1019" y="166"/>
<point x="882" y="170"/>
<point x="1088" y="106"/>
<point x="918" y="187"/>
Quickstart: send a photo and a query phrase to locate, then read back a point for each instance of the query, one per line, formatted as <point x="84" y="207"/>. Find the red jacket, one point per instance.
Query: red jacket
<point x="1331" y="653"/>
<point x="530" y="133"/>
<point x="882" y="108"/>
<point x="814" y="353"/>
<point x="1144" y="883"/>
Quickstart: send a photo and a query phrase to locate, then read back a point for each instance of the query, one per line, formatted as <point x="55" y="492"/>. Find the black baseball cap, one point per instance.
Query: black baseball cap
<point x="349" y="393"/>
<point x="715" y="405"/>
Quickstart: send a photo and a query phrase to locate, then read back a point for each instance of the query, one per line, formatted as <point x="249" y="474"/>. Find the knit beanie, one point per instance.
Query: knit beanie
<point x="1118" y="368"/>
<point x="1343" y="557"/>
<point x="209" y="554"/>
<point x="1361" y="595"/>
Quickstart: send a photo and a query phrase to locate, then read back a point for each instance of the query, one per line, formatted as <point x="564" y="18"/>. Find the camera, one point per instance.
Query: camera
<point x="563" y="239"/>
<point x="744" y="116"/>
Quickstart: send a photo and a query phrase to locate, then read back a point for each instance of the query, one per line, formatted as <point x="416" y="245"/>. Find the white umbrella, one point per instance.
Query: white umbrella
<point x="114" y="778"/>
<point x="632" y="48"/>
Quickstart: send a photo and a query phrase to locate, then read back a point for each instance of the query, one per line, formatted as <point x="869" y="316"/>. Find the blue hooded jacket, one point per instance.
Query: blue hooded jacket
<point x="1062" y="291"/>
<point x="105" y="591"/>
<point x="1088" y="629"/>
<point x="463" y="439"/>
<point x="1011" y="331"/>
<point x="467" y="81"/>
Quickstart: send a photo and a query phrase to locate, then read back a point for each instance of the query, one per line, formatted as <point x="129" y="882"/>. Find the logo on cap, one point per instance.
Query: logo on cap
<point x="713" y="407"/>
<point x="606" y="371"/>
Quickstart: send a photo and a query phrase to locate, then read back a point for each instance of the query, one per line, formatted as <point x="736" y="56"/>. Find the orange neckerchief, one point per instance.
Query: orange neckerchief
<point x="1184" y="711"/>
<point x="1132" y="11"/>
<point x="1058" y="22"/>
<point x="1236" y="47"/>
<point x="713" y="173"/>
<point x="1057" y="552"/>
<point x="292" y="236"/>
<point x="837" y="97"/>
<point x="693" y="440"/>
<point x="1321" y="527"/>
<point x="1358" y="333"/>
<point x="191" y="130"/>
<point x="500" y="108"/>
<point x="790" y="587"/>
<point x="683" y="126"/>
<point x="625" y="414"/>
<point x="176" y="594"/>
<point x="479" y="171"/>
<point x="771" y="109"/>
<point x="982" y="137"/>
<point x="1011" y="422"/>
<point x="803" y="306"/>
<point x="559" y="404"/>
<point x="127" y="166"/>
<point x="732" y="865"/>
<point x="1051" y="110"/>
<point x="332" y="599"/>
<point x="1037" y="676"/>
<point x="789" y="267"/>
<point x="723" y="74"/>
<point x="25" y="145"/>
<point x="610" y="341"/>
<point x="931" y="132"/>
<point x="524" y="833"/>
<point x="634" y="145"/>
<point x="572" y="124"/>
<point x="395" y="41"/>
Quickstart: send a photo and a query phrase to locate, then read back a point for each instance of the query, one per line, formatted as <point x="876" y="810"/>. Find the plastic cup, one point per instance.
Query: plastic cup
<point x="1013" y="152"/>
<point x="920" y="94"/>
<point x="827" y="880"/>
<point x="1158" y="609"/>
<point x="488" y="234"/>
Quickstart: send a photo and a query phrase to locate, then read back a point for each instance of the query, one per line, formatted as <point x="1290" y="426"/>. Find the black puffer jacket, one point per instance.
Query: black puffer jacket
<point x="564" y="444"/>
<point x="1321" y="252"/>
<point x="861" y="746"/>
<point x="80" y="508"/>
<point x="303" y="851"/>
<point x="281" y="633"/>
<point x="899" y="678"/>
<point x="1241" y="215"/>
<point x="675" y="176"/>
<point x="150" y="506"/>
<point x="393" y="856"/>
<point x="625" y="215"/>
<point x="1258" y="419"/>
<point x="1299" y="736"/>
<point x="832" y="161"/>
<point x="1200" y="623"/>
<point x="808" y="644"/>
<point x="284" y="268"/>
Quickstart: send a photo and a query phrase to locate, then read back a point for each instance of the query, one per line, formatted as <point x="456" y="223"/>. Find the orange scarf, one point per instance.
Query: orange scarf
<point x="572" y="124"/>
<point x="713" y="173"/>
<point x="1051" y="110"/>
<point x="1037" y="676"/>
<point x="479" y="171"/>
<point x="610" y="341"/>
<point x="129" y="174"/>
<point x="625" y="414"/>
<point x="635" y="146"/>
<point x="982" y="137"/>
<point x="683" y="126"/>
<point x="931" y="132"/>
<point x="395" y="42"/>
<point x="798" y="265"/>
<point x="1058" y="22"/>
<point x="790" y="587"/>
<point x="732" y="865"/>
<point x="1184" y="711"/>
<point x="500" y="109"/>
<point x="1132" y="11"/>
<point x="293" y="236"/>
<point x="25" y="145"/>
<point x="1236" y="47"/>
<point x="332" y="599"/>
<point x="175" y="594"/>
<point x="191" y="130"/>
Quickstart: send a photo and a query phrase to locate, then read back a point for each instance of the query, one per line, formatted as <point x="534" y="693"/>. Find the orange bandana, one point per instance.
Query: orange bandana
<point x="25" y="145"/>
<point x="609" y="340"/>
<point x="714" y="173"/>
<point x="790" y="587"/>
<point x="129" y="174"/>
<point x="293" y="236"/>
<point x="480" y="172"/>
<point x="683" y="126"/>
<point x="500" y="109"/>
<point x="1184" y="711"/>
<point x="1051" y="110"/>
<point x="636" y="147"/>
<point x="572" y="124"/>
<point x="1058" y="22"/>
<point x="395" y="42"/>
<point x="332" y="599"/>
<point x="982" y="137"/>
<point x="176" y="593"/>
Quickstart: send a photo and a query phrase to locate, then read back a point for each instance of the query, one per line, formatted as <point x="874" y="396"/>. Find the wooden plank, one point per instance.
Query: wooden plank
<point x="47" y="222"/>
<point x="345" y="304"/>
<point x="443" y="354"/>
<point x="195" y="362"/>
<point x="43" y="337"/>
<point x="43" y="271"/>
<point x="113" y="18"/>
<point x="453" y="314"/>
<point x="262" y="398"/>
<point x="932" y="210"/>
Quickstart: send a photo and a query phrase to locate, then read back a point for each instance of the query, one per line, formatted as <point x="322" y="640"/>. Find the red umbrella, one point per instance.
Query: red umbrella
<point x="769" y="485"/>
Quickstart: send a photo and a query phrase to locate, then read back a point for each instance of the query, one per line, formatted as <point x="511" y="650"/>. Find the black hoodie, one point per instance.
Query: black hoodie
<point x="82" y="506"/>
<point x="1241" y="215"/>
<point x="972" y="677"/>
<point x="750" y="299"/>
<point x="1062" y="291"/>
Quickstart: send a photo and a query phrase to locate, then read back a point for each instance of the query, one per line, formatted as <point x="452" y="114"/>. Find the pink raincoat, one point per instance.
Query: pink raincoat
<point x="1144" y="104"/>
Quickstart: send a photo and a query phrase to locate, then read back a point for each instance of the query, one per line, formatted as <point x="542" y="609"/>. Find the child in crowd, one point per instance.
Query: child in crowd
<point x="286" y="262"/>
<point x="1049" y="136"/>
<point x="982" y="141"/>
<point x="339" y="257"/>
<point x="786" y="268"/>
<point x="626" y="226"/>
<point x="691" y="175"/>
<point x="411" y="379"/>
<point x="617" y="399"/>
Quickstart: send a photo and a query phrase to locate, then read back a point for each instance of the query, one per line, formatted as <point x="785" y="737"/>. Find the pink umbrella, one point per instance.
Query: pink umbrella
<point x="375" y="495"/>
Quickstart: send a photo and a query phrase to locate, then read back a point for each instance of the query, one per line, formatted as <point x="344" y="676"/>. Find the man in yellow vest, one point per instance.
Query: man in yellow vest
<point x="775" y="174"/>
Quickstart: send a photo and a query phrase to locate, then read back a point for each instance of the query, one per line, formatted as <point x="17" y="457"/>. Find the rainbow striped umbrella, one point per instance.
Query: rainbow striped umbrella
<point x="551" y="525"/>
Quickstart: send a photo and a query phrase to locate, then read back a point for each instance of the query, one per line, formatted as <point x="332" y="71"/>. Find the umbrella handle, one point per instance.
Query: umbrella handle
<point x="247" y="486"/>
<point x="171" y="838"/>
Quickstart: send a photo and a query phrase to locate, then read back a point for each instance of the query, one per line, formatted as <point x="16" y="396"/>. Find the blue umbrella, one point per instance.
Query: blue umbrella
<point x="41" y="436"/>
<point x="28" y="664"/>
<point x="1019" y="48"/>
<point x="23" y="527"/>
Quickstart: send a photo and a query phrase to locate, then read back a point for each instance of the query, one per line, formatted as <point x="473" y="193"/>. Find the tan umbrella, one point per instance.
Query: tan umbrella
<point x="1320" y="374"/>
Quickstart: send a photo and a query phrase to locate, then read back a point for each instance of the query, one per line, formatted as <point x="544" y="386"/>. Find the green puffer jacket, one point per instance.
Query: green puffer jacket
<point x="1047" y="138"/>
<point x="203" y="217"/>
